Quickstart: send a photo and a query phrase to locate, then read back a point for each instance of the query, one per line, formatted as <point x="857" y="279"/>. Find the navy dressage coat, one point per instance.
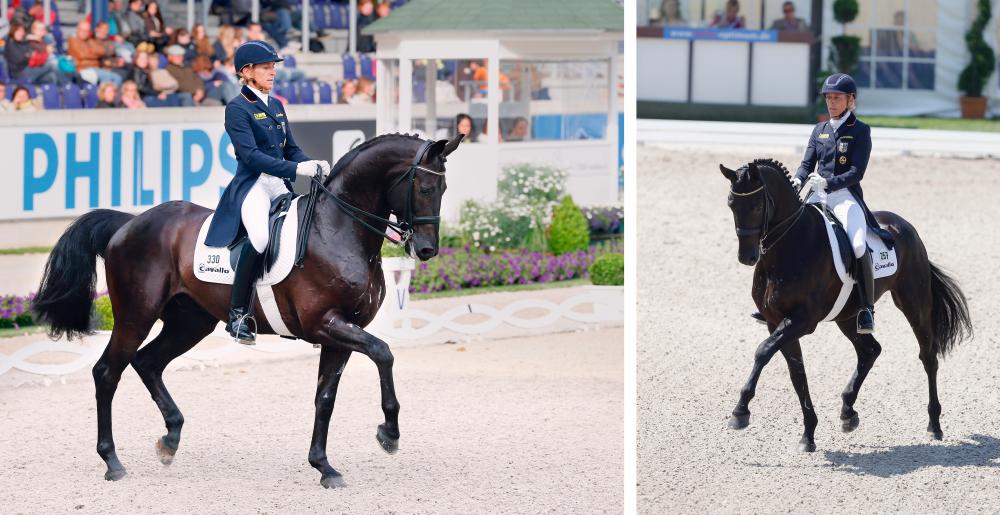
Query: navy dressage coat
<point x="263" y="143"/>
<point x="842" y="157"/>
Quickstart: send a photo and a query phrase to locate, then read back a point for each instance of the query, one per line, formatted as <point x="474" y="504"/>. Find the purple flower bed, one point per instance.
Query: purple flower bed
<point x="15" y="311"/>
<point x="604" y="221"/>
<point x="456" y="269"/>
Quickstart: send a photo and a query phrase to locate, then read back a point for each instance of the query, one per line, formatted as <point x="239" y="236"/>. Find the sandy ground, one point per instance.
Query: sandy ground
<point x="696" y="343"/>
<point x="515" y="425"/>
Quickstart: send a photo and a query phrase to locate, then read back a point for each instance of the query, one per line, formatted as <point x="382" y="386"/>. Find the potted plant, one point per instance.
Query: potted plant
<point x="607" y="273"/>
<point x="846" y="49"/>
<point x="975" y="75"/>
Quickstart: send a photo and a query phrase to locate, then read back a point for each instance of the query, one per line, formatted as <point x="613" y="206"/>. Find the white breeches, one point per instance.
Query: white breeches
<point x="850" y="214"/>
<point x="256" y="206"/>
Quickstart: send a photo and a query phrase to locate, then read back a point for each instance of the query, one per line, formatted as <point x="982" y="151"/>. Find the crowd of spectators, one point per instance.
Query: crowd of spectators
<point x="136" y="60"/>
<point x="669" y="13"/>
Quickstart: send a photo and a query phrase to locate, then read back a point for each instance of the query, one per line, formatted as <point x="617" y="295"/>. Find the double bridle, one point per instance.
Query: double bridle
<point x="763" y="229"/>
<point x="403" y="228"/>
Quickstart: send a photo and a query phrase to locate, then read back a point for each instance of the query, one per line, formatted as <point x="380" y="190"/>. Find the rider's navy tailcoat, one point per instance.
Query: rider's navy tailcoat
<point x="842" y="157"/>
<point x="263" y="143"/>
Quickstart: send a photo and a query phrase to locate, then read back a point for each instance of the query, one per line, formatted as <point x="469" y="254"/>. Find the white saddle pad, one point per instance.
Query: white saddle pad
<point x="884" y="264"/>
<point x="211" y="265"/>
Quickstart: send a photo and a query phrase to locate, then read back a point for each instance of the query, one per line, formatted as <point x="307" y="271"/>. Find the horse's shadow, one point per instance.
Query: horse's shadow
<point x="980" y="451"/>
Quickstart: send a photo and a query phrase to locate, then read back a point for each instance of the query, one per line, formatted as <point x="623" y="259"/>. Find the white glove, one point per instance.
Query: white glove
<point x="817" y="183"/>
<point x="797" y="183"/>
<point x="308" y="168"/>
<point x="325" y="165"/>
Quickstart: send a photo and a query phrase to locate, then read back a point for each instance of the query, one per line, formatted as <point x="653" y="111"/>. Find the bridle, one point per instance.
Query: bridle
<point x="763" y="229"/>
<point x="403" y="228"/>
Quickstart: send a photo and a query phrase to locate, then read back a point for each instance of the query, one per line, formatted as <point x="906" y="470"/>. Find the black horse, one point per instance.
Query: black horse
<point x="796" y="285"/>
<point x="148" y="263"/>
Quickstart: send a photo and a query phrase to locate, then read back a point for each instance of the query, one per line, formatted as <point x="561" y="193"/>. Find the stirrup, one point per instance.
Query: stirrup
<point x="241" y="332"/>
<point x="866" y="321"/>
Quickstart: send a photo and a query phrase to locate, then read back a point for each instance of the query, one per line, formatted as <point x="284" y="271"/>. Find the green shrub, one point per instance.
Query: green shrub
<point x="392" y="250"/>
<point x="569" y="231"/>
<point x="608" y="270"/>
<point x="105" y="319"/>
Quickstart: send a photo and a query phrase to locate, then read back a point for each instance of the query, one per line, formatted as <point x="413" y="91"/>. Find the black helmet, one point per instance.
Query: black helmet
<point x="839" y="83"/>
<point x="255" y="52"/>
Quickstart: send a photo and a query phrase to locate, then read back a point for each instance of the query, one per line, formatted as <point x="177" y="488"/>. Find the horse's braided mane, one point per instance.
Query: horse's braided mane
<point x="774" y="164"/>
<point x="349" y="157"/>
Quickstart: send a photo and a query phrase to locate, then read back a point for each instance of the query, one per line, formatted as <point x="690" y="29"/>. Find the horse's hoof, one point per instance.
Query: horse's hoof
<point x="850" y="424"/>
<point x="164" y="452"/>
<point x="739" y="421"/>
<point x="807" y="445"/>
<point x="114" y="475"/>
<point x="388" y="443"/>
<point x="333" y="481"/>
<point x="936" y="433"/>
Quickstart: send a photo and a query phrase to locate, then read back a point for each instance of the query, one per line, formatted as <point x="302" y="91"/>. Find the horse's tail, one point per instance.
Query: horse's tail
<point x="67" y="289"/>
<point x="949" y="312"/>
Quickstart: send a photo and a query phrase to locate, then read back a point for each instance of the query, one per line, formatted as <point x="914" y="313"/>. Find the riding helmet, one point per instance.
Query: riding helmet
<point x="255" y="52"/>
<point x="839" y="83"/>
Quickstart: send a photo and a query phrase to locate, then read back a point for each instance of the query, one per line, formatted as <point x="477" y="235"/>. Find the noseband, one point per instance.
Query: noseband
<point x="404" y="228"/>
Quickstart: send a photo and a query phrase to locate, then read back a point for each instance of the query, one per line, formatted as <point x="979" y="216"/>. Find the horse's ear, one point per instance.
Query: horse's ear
<point x="450" y="146"/>
<point x="727" y="173"/>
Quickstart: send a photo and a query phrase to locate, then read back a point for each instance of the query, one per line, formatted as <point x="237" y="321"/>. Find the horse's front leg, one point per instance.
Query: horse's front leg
<point x="341" y="334"/>
<point x="797" y="370"/>
<point x="788" y="330"/>
<point x="332" y="361"/>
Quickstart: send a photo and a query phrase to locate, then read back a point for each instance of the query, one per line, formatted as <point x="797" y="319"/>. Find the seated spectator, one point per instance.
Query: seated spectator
<point x="118" y="27"/>
<point x="465" y="126"/>
<point x="107" y="96"/>
<point x="347" y="90"/>
<point x="226" y="44"/>
<point x="156" y="87"/>
<point x="203" y="46"/>
<point x="364" y="92"/>
<point x="217" y="84"/>
<point x="27" y="59"/>
<point x="383" y="9"/>
<point x="182" y="38"/>
<point x="187" y="80"/>
<point x="519" y="131"/>
<point x="135" y="22"/>
<point x="44" y="50"/>
<point x="276" y="19"/>
<point x="481" y="78"/>
<point x="5" y="104"/>
<point x="789" y="21"/>
<point x="669" y="14"/>
<point x="117" y="55"/>
<point x="90" y="54"/>
<point x="366" y="16"/>
<point x="21" y="100"/>
<point x="130" y="96"/>
<point x="156" y="31"/>
<point x="730" y="19"/>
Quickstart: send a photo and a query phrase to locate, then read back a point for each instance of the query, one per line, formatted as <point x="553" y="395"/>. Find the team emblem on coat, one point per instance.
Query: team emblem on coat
<point x="842" y="147"/>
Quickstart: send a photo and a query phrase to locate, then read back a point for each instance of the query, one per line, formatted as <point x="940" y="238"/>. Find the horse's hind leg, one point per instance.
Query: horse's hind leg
<point x="868" y="350"/>
<point x="916" y="305"/>
<point x="792" y="351"/>
<point x="332" y="361"/>
<point x="184" y="325"/>
<point x="125" y="339"/>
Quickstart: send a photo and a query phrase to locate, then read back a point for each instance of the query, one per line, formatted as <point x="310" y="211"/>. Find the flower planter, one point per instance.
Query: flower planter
<point x="973" y="108"/>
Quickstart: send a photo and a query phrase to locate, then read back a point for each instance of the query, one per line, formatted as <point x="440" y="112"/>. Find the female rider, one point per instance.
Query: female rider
<point x="841" y="147"/>
<point x="268" y="161"/>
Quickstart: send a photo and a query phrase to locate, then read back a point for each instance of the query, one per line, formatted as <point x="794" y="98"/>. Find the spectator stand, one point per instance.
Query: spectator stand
<point x="559" y="73"/>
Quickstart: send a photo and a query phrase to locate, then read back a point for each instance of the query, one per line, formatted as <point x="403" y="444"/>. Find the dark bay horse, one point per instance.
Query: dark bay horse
<point x="148" y="262"/>
<point x="795" y="286"/>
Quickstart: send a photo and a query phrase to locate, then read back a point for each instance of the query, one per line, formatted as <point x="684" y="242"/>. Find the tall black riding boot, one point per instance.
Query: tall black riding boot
<point x="241" y="324"/>
<point x="866" y="294"/>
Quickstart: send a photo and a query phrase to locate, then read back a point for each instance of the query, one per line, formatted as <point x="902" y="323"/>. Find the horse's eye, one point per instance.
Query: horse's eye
<point x="426" y="190"/>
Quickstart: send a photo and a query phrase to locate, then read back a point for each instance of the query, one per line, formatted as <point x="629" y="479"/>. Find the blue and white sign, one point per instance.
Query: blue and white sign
<point x="721" y="34"/>
<point x="66" y="171"/>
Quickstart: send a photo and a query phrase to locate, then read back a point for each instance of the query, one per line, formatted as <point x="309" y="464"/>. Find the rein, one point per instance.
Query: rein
<point x="404" y="228"/>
